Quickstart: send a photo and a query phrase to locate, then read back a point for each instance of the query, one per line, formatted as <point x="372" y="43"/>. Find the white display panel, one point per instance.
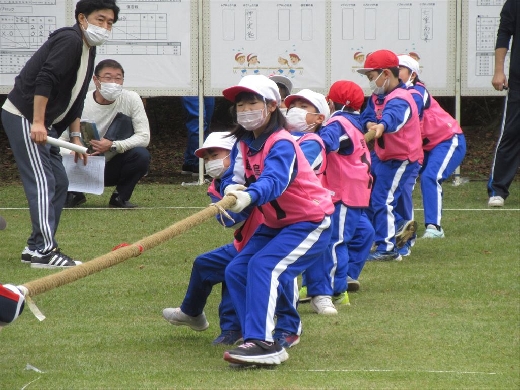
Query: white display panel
<point x="24" y="27"/>
<point x="424" y="29"/>
<point x="481" y="21"/>
<point x="153" y="40"/>
<point x="265" y="37"/>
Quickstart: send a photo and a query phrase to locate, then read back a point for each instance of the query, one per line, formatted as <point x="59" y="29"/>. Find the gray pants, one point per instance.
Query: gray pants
<point x="43" y="177"/>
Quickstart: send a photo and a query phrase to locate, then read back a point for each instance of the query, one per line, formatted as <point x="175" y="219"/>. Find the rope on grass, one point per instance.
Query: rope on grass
<point x="125" y="252"/>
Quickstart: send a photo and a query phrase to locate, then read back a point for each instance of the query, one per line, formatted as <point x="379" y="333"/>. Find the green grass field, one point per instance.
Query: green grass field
<point x="447" y="317"/>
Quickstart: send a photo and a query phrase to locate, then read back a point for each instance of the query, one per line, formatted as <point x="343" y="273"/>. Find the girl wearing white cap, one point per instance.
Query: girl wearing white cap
<point x="208" y="268"/>
<point x="269" y="170"/>
<point x="444" y="148"/>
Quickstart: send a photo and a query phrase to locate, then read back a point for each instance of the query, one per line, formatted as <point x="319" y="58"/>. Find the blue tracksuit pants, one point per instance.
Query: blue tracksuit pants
<point x="208" y="270"/>
<point x="439" y="164"/>
<point x="270" y="261"/>
<point x="359" y="246"/>
<point x="390" y="182"/>
<point x="345" y="223"/>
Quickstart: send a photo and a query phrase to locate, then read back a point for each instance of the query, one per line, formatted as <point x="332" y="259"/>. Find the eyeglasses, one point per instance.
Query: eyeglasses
<point x="110" y="79"/>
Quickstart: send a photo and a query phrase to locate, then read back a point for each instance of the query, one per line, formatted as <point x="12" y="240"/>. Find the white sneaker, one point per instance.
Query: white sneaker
<point x="322" y="304"/>
<point x="175" y="316"/>
<point x="496" y="201"/>
<point x="432" y="232"/>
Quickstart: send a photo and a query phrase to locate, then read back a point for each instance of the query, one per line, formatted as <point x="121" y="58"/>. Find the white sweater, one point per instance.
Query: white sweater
<point x="128" y="103"/>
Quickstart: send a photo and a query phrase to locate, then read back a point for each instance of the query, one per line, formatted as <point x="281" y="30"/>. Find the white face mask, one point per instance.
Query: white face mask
<point x="283" y="111"/>
<point x="375" y="89"/>
<point x="95" y="35"/>
<point x="216" y="168"/>
<point x="409" y="83"/>
<point x="110" y="91"/>
<point x="252" y="120"/>
<point x="296" y="120"/>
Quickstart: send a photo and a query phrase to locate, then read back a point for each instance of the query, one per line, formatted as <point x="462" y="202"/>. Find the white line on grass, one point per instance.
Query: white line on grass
<point x="416" y="371"/>
<point x="200" y="208"/>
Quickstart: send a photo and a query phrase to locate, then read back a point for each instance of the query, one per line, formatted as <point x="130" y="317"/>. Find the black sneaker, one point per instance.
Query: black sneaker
<point x="75" y="199"/>
<point x="53" y="259"/>
<point x="257" y="352"/>
<point x="116" y="201"/>
<point x="27" y="255"/>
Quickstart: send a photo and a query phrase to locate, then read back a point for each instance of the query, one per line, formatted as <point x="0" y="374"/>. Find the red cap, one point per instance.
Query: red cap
<point x="347" y="93"/>
<point x="239" y="55"/>
<point x="380" y="59"/>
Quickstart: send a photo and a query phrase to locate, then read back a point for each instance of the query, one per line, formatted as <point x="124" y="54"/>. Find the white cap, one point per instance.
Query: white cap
<point x="258" y="84"/>
<point x="315" y="98"/>
<point x="284" y="80"/>
<point x="217" y="139"/>
<point x="409" y="62"/>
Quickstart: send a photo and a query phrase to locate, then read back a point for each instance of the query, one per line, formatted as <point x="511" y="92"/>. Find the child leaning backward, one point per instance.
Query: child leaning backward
<point x="269" y="170"/>
<point x="444" y="148"/>
<point x="208" y="268"/>
<point x="392" y="114"/>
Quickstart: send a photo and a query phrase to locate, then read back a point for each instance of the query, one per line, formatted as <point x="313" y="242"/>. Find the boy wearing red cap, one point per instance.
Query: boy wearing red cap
<point x="393" y="115"/>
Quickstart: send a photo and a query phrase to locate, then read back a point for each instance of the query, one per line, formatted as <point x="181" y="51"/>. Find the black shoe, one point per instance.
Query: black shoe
<point x="257" y="352"/>
<point x="53" y="259"/>
<point x="75" y="199"/>
<point x="116" y="201"/>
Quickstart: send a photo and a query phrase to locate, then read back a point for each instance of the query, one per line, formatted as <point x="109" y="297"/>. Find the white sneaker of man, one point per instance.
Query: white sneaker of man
<point x="496" y="201"/>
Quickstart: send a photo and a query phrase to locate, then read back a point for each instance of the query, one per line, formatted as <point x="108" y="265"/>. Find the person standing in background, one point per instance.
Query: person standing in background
<point x="507" y="153"/>
<point x="191" y="108"/>
<point x="47" y="98"/>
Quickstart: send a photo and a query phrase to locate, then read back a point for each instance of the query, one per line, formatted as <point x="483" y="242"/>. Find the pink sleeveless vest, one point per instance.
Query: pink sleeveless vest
<point x="405" y="144"/>
<point x="303" y="200"/>
<point x="348" y="176"/>
<point x="438" y="125"/>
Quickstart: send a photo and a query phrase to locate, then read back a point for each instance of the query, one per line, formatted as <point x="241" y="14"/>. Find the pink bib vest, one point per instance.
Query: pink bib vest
<point x="405" y="144"/>
<point x="348" y="176"/>
<point x="303" y="200"/>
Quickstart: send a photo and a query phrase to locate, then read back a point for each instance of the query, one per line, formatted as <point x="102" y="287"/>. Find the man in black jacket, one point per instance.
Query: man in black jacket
<point x="47" y="98"/>
<point x="507" y="154"/>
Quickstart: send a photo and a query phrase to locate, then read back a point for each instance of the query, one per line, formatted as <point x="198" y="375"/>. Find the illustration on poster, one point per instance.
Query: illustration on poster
<point x="286" y="64"/>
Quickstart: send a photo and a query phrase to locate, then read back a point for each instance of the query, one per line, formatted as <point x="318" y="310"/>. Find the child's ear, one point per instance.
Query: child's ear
<point x="320" y="118"/>
<point x="272" y="106"/>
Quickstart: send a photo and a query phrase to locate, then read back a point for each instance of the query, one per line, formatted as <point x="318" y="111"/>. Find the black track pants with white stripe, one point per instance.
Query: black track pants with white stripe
<point x="43" y="177"/>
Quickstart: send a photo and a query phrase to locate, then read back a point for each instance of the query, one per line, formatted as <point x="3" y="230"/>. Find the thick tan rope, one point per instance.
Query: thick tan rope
<point x="123" y="253"/>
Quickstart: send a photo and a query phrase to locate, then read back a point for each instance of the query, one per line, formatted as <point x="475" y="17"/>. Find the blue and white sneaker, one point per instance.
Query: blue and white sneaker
<point x="405" y="250"/>
<point x="384" y="256"/>
<point x="229" y="337"/>
<point x="286" y="339"/>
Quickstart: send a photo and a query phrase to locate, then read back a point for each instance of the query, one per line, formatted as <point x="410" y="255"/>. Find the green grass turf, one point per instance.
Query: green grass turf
<point x="446" y="317"/>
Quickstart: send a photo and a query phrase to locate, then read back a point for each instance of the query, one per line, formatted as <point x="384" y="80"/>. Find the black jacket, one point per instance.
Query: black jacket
<point x="52" y="72"/>
<point x="510" y="27"/>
